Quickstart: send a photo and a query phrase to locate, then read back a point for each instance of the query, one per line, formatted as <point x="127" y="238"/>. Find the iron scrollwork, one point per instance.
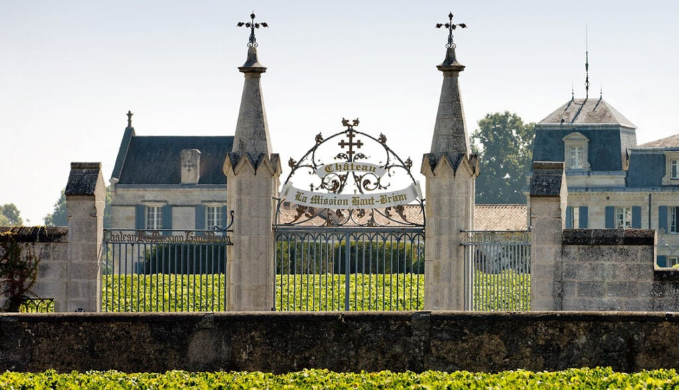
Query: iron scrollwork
<point x="350" y="169"/>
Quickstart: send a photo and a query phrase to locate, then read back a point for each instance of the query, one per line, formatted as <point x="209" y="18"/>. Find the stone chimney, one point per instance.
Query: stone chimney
<point x="190" y="168"/>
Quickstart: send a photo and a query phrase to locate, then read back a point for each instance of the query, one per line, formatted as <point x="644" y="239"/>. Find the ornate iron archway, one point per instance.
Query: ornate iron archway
<point x="351" y="235"/>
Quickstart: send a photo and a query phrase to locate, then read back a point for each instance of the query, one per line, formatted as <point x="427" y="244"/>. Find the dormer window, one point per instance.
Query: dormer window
<point x="671" y="168"/>
<point x="575" y="152"/>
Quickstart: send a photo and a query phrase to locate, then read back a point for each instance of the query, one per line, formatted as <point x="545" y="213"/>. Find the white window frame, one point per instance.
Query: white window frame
<point x="673" y="220"/>
<point x="578" y="143"/>
<point x="672" y="261"/>
<point x="671" y="168"/>
<point x="623" y="217"/>
<point x="154" y="217"/>
<point x="213" y="216"/>
<point x="575" y="217"/>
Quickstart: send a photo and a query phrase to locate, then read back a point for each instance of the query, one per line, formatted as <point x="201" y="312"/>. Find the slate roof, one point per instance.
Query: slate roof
<point x="156" y="159"/>
<point x="486" y="216"/>
<point x="667" y="142"/>
<point x="587" y="111"/>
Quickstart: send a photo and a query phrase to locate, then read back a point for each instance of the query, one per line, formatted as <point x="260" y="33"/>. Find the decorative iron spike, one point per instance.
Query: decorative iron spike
<point x="252" y="42"/>
<point x="450" y="26"/>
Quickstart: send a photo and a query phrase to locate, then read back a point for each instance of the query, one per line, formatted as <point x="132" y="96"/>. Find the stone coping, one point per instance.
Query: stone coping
<point x="207" y="318"/>
<point x="608" y="237"/>
<point x="35" y="233"/>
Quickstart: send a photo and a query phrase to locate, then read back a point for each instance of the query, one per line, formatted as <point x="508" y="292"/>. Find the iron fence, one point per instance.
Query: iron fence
<point x="164" y="270"/>
<point x="497" y="270"/>
<point x="345" y="269"/>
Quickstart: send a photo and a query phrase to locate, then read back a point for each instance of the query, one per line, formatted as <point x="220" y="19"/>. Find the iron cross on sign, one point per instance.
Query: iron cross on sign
<point x="350" y="135"/>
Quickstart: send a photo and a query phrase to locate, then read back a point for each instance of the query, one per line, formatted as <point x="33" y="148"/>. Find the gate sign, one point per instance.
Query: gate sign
<point x="349" y="167"/>
<point x="356" y="201"/>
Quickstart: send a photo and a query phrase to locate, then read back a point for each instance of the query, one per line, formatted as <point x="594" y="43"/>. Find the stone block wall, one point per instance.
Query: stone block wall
<point x="343" y="342"/>
<point x="614" y="269"/>
<point x="50" y="245"/>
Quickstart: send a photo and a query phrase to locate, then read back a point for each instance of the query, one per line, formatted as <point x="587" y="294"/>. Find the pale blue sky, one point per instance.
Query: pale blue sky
<point x="70" y="70"/>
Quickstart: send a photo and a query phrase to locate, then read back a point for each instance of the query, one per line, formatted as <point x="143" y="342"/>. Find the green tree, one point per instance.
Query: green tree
<point x="59" y="216"/>
<point x="11" y="214"/>
<point x="505" y="147"/>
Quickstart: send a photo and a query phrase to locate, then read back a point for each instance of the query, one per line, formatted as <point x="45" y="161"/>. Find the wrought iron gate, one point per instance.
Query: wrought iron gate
<point x="164" y="270"/>
<point x="497" y="270"/>
<point x="349" y="269"/>
<point x="350" y="242"/>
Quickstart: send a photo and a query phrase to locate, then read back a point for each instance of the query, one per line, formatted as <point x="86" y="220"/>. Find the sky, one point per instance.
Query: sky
<point x="71" y="69"/>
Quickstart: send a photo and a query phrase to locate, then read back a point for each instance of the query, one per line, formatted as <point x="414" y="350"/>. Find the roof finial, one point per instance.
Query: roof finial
<point x="129" y="118"/>
<point x="601" y="93"/>
<point x="586" y="65"/>
<point x="252" y="26"/>
<point x="572" y="91"/>
<point x="450" y="26"/>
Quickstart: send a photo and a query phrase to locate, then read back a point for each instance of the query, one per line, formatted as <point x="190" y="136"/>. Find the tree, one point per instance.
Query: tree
<point x="59" y="216"/>
<point x="505" y="146"/>
<point x="11" y="213"/>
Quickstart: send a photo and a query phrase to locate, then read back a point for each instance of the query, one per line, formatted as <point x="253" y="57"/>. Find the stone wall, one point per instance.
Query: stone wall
<point x="50" y="245"/>
<point x="283" y="342"/>
<point x="613" y="269"/>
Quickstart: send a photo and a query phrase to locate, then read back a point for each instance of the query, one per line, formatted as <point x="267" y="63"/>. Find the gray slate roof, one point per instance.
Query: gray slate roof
<point x="587" y="111"/>
<point x="667" y="142"/>
<point x="156" y="159"/>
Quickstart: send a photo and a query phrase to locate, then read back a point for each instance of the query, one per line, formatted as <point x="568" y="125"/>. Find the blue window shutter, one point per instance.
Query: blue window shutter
<point x="167" y="217"/>
<point x="610" y="217"/>
<point x="224" y="221"/>
<point x="200" y="217"/>
<point x="140" y="217"/>
<point x="662" y="219"/>
<point x="569" y="217"/>
<point x="636" y="217"/>
<point x="662" y="261"/>
<point x="583" y="217"/>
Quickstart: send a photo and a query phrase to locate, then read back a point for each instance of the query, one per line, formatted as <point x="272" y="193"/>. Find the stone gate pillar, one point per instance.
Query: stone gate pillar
<point x="548" y="199"/>
<point x="451" y="172"/>
<point x="85" y="201"/>
<point x="252" y="173"/>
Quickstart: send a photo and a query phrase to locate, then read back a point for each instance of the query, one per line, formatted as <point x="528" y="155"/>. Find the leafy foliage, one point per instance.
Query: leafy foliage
<point x="11" y="216"/>
<point x="582" y="378"/>
<point x="327" y="292"/>
<point x="365" y="257"/>
<point x="163" y="293"/>
<point x="505" y="147"/>
<point x="505" y="291"/>
<point x="59" y="217"/>
<point x="184" y="259"/>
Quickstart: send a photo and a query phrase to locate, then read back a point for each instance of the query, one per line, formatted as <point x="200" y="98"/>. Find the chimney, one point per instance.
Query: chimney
<point x="190" y="168"/>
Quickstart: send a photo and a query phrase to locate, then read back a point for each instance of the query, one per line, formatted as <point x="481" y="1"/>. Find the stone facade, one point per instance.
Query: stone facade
<point x="612" y="182"/>
<point x="169" y="182"/>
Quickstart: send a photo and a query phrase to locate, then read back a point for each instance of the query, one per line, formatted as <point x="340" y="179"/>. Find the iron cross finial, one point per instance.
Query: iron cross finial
<point x="350" y="135"/>
<point x="129" y="118"/>
<point x="450" y="26"/>
<point x="252" y="26"/>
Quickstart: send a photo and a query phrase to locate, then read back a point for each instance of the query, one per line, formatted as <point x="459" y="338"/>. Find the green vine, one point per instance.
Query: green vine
<point x="18" y="267"/>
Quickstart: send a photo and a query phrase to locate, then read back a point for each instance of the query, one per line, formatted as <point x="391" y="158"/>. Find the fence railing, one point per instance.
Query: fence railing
<point x="349" y="269"/>
<point x="497" y="270"/>
<point x="164" y="270"/>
